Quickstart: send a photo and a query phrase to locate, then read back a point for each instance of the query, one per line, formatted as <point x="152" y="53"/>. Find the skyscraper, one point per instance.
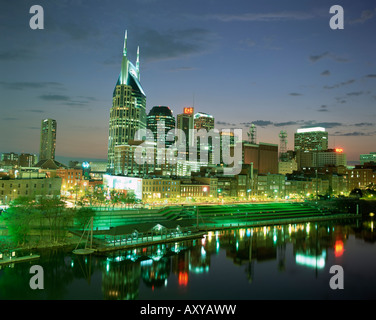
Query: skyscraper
<point x="186" y="125"/>
<point x="128" y="112"/>
<point x="309" y="139"/>
<point x="203" y="121"/>
<point x="160" y="117"/>
<point x="48" y="140"/>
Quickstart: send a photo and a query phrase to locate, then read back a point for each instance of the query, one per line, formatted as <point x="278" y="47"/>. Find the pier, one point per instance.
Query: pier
<point x="9" y="260"/>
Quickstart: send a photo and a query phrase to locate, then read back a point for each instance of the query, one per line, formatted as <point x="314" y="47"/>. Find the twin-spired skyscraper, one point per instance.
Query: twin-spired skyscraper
<point x="128" y="112"/>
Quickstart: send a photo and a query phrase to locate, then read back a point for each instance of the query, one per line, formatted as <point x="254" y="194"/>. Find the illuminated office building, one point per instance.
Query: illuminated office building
<point x="309" y="139"/>
<point x="185" y="123"/>
<point x="203" y="121"/>
<point x="128" y="112"/>
<point x="160" y="117"/>
<point x="48" y="139"/>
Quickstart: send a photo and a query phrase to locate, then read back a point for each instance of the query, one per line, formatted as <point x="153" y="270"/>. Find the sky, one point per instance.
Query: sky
<point x="276" y="64"/>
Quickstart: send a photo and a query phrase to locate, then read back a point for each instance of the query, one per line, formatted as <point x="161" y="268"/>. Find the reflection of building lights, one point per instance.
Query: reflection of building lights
<point x="203" y="252"/>
<point x="311" y="261"/>
<point x="338" y="248"/>
<point x="183" y="278"/>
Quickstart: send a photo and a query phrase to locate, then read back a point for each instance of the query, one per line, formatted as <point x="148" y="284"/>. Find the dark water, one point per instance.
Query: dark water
<point x="281" y="262"/>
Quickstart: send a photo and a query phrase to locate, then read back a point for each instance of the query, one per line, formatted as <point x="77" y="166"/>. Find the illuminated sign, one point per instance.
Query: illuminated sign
<point x="188" y="110"/>
<point x="339" y="150"/>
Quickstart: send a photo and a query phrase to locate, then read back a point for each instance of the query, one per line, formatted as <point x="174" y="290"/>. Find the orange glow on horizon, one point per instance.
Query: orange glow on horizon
<point x="339" y="150"/>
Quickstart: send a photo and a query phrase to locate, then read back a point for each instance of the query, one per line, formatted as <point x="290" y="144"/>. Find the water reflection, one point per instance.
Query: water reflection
<point x="127" y="274"/>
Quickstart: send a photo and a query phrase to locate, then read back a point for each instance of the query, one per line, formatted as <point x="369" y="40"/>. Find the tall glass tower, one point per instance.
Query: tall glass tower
<point x="47" y="139"/>
<point x="128" y="112"/>
<point x="160" y="117"/>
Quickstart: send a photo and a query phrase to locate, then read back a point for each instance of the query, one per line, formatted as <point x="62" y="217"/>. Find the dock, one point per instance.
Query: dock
<point x="9" y="260"/>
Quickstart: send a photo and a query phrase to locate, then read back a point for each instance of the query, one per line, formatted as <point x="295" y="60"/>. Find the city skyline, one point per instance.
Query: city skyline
<point x="279" y="67"/>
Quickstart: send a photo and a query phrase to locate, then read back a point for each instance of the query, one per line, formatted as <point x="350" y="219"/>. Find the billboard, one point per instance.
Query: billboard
<point x="124" y="183"/>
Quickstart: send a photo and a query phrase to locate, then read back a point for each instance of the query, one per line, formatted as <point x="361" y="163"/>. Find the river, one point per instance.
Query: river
<point x="269" y="262"/>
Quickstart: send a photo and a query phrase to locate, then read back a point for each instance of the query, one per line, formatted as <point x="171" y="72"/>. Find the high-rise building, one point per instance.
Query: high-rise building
<point x="160" y="119"/>
<point x="48" y="139"/>
<point x="185" y="123"/>
<point x="203" y="121"/>
<point x="309" y="139"/>
<point x="128" y="112"/>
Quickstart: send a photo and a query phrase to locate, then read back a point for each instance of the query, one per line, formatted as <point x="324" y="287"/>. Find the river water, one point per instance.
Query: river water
<point x="272" y="262"/>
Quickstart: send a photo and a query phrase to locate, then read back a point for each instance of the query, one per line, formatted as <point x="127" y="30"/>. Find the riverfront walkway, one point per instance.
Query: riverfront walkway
<point x="127" y="229"/>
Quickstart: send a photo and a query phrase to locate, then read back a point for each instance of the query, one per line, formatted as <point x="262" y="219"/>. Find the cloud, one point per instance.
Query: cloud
<point x="29" y="85"/>
<point x="68" y="101"/>
<point x="354" y="134"/>
<point x="54" y="97"/>
<point x="295" y="94"/>
<point x="365" y="15"/>
<point x="174" y="44"/>
<point x="223" y="123"/>
<point x="287" y="123"/>
<point x="9" y="119"/>
<point x="318" y="57"/>
<point x="370" y="76"/>
<point x="357" y="93"/>
<point x="363" y="124"/>
<point x="315" y="58"/>
<point x="337" y="85"/>
<point x="325" y="73"/>
<point x="259" y="123"/>
<point x="323" y="108"/>
<point x="261" y="17"/>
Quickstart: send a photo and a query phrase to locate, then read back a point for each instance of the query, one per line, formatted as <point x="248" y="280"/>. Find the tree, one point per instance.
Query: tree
<point x="83" y="215"/>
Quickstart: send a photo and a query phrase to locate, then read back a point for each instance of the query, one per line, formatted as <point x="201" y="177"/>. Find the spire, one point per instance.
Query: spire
<point x="138" y="62"/>
<point x="125" y="43"/>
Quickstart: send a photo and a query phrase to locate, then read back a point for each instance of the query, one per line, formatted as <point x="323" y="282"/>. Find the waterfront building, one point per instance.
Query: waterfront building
<point x="128" y="112"/>
<point x="160" y="118"/>
<point x="48" y="139"/>
<point x="11" y="189"/>
<point x="361" y="176"/>
<point x="160" y="188"/>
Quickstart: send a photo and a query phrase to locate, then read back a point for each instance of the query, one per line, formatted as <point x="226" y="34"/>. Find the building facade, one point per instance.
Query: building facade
<point x="48" y="139"/>
<point x="14" y="188"/>
<point x="128" y="112"/>
<point x="311" y="139"/>
<point x="160" y="119"/>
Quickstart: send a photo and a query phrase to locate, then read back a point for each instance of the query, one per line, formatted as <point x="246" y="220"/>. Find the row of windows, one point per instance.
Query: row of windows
<point x="26" y="186"/>
<point x="146" y="182"/>
<point x="149" y="189"/>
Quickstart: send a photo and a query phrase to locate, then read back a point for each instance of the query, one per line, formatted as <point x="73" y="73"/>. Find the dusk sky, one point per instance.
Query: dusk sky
<point x="276" y="64"/>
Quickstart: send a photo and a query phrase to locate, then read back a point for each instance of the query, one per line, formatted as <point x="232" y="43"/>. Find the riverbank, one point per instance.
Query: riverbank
<point x="203" y="218"/>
